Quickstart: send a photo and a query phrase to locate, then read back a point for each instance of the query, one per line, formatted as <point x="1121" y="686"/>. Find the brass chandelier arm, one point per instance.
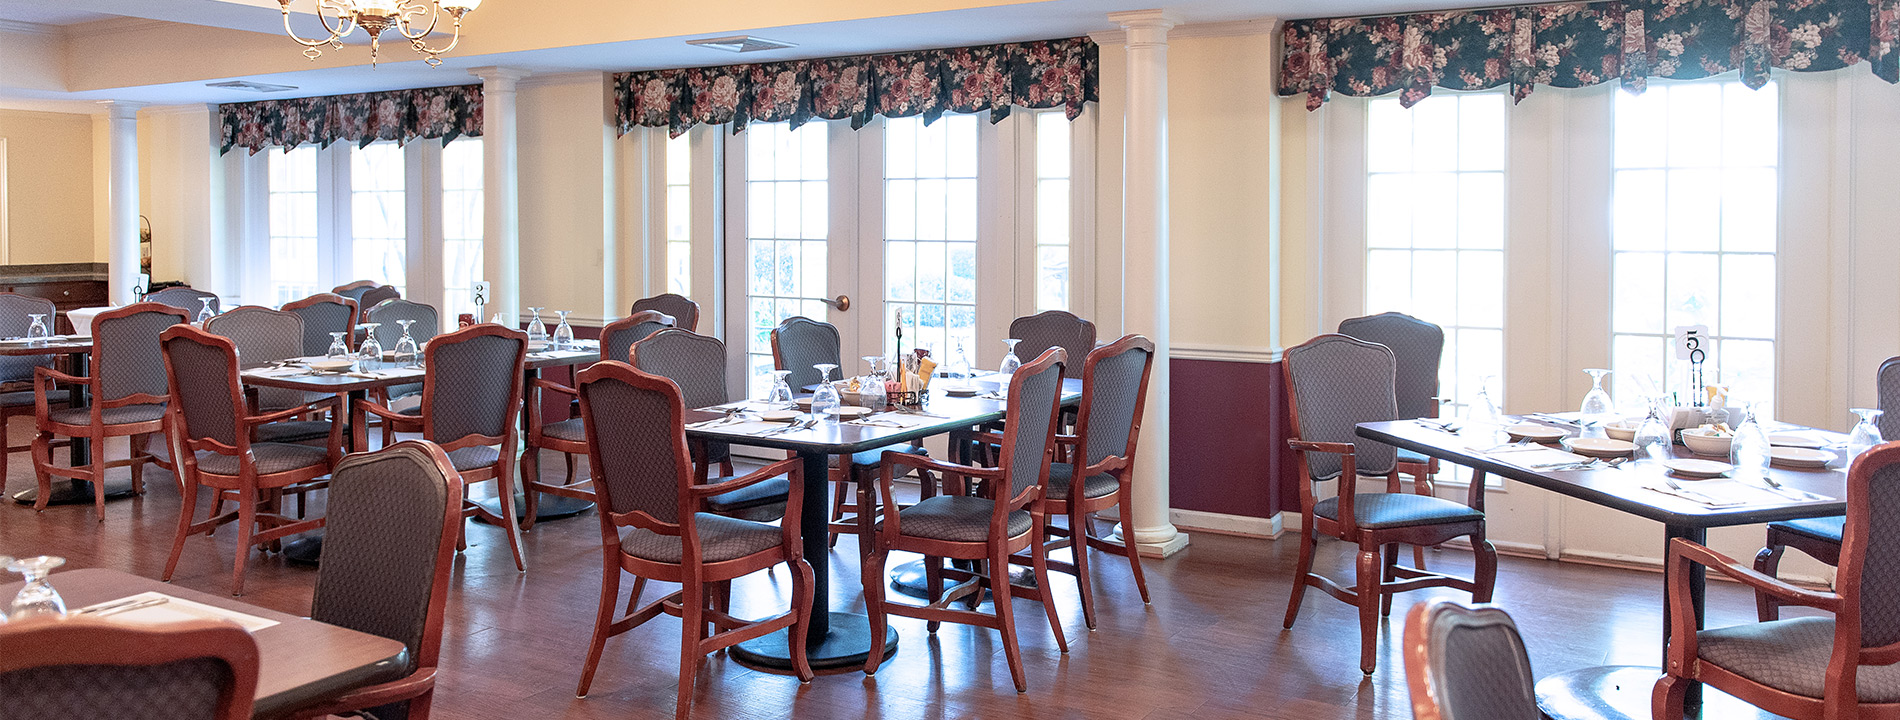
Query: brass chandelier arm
<point x="454" y="40"/>
<point x="435" y="15"/>
<point x="374" y="18"/>
<point x="346" y="27"/>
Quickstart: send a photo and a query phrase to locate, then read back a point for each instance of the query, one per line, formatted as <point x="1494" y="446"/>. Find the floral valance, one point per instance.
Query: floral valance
<point x="1041" y="74"/>
<point x="1580" y="44"/>
<point x="399" y="115"/>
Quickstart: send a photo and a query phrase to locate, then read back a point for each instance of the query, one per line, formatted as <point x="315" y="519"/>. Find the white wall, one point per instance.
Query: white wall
<point x="182" y="193"/>
<point x="567" y="160"/>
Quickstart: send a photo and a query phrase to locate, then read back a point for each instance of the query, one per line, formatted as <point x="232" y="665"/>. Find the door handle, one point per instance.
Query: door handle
<point x="841" y="304"/>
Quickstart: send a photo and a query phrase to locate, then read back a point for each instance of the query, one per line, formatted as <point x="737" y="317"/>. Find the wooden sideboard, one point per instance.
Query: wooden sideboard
<point x="68" y="285"/>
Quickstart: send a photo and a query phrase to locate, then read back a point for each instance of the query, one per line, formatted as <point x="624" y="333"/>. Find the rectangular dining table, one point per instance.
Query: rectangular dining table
<point x="1618" y="691"/>
<point x="299" y="660"/>
<point x="841" y="639"/>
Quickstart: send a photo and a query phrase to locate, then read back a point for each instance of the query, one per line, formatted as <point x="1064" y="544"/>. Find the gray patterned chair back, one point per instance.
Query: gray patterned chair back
<point x="619" y="336"/>
<point x="1032" y="416"/>
<point x="427" y="322"/>
<point x="685" y="312"/>
<point x="16" y="313"/>
<point x="126" y="359"/>
<point x="1889" y="386"/>
<point x="1054" y="328"/>
<point x="383" y="548"/>
<point x="330" y="314"/>
<point x="1338" y="382"/>
<point x="1478" y="667"/>
<point x="264" y="335"/>
<point x="202" y="372"/>
<point x="355" y="290"/>
<point x="800" y="343"/>
<point x="184" y="298"/>
<point x="1418" y="347"/>
<point x="696" y="363"/>
<point x="641" y="453"/>
<point x="474" y="379"/>
<point x="375" y="296"/>
<point x="1873" y="482"/>
<point x="195" y="671"/>
<point x="1114" y="390"/>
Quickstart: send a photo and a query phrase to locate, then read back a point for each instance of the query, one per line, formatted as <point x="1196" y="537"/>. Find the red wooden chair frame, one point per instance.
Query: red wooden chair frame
<point x="356" y="313"/>
<point x="657" y="303"/>
<point x="47" y="642"/>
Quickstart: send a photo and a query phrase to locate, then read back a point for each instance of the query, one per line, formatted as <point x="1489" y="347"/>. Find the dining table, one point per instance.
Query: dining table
<point x="1641" y="488"/>
<point x="837" y="638"/>
<point x="299" y="660"/>
<point x="78" y="351"/>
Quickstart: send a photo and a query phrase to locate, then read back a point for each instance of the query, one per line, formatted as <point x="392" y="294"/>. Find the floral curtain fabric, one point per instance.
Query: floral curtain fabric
<point x="1580" y="44"/>
<point x="399" y="115"/>
<point x="1042" y="74"/>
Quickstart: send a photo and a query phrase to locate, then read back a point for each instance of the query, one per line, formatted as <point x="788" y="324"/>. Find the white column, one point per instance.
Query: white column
<point x="122" y="201"/>
<point x="501" y="211"/>
<point x="1145" y="264"/>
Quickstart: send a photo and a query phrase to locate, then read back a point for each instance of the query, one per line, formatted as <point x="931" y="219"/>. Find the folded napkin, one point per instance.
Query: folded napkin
<point x="278" y="372"/>
<point x="1534" y="456"/>
<point x="165" y="608"/>
<point x="1720" y="493"/>
<point x="894" y="420"/>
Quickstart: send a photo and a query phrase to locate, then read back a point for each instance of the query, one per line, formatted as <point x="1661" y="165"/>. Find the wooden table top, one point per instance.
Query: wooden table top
<point x="299" y="659"/>
<point x="1620" y="488"/>
<point x="63" y="347"/>
<point x="838" y="438"/>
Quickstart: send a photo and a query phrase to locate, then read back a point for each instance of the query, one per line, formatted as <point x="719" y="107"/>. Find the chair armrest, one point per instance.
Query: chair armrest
<point x="546" y="384"/>
<point x="1313" y="446"/>
<point x="988" y="438"/>
<point x="1746" y="575"/>
<point x="1683" y="622"/>
<point x="893" y="458"/>
<point x="330" y="402"/>
<point x="417" y="683"/>
<point x="42" y="372"/>
<point x="793" y="466"/>
<point x="383" y="412"/>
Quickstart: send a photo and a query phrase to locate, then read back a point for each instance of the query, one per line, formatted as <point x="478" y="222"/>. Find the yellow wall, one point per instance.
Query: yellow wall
<point x="49" y="186"/>
<point x="564" y="160"/>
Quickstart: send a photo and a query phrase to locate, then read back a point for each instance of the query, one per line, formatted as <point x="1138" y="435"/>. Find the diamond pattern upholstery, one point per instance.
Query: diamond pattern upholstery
<point x="639" y="469"/>
<point x="322" y="318"/>
<point x="1389" y="510"/>
<point x="800" y="343"/>
<point x="125" y="354"/>
<point x="1054" y="328"/>
<point x="570" y="430"/>
<point x="1417" y="346"/>
<point x="1339" y="382"/>
<point x="1482" y="673"/>
<point x="1791" y="655"/>
<point x="23" y="398"/>
<point x="1062" y="476"/>
<point x="1031" y="415"/>
<point x="696" y="363"/>
<point x="720" y="538"/>
<point x="375" y="296"/>
<point x="202" y="373"/>
<point x="271" y="458"/>
<point x="478" y="372"/>
<point x="427" y="322"/>
<point x="474" y="458"/>
<point x="685" y="312"/>
<point x="766" y="494"/>
<point x="16" y="313"/>
<point x="957" y="518"/>
<point x="292" y="431"/>
<point x="355" y="290"/>
<point x="168" y="691"/>
<point x="617" y="339"/>
<point x="187" y="299"/>
<point x="264" y="335"/>
<point x="122" y="415"/>
<point x="1821" y="528"/>
<point x="1888" y="382"/>
<point x="1114" y="391"/>
<point x="1880" y="565"/>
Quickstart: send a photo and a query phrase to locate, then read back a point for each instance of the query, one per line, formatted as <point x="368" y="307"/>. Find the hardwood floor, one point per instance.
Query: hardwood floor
<point x="1210" y="646"/>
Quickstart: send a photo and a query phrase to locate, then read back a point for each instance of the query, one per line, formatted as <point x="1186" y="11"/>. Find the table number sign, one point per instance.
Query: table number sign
<point x="141" y="284"/>
<point x="1692" y="343"/>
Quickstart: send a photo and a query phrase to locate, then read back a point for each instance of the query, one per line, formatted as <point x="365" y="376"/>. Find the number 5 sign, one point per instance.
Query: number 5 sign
<point x="1692" y="343"/>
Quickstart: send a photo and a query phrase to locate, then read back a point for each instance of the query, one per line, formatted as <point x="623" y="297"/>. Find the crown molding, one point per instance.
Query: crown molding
<point x="1225" y="353"/>
<point x="186" y="109"/>
<point x="113" y="26"/>
<point x="563" y="78"/>
<point x="27" y="28"/>
<point x="1231" y="28"/>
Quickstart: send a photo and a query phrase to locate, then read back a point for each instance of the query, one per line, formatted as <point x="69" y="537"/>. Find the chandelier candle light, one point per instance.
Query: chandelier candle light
<point x="376" y="16"/>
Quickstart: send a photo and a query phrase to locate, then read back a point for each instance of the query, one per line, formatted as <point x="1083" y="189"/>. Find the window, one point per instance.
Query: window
<point x="786" y="225"/>
<point x="1435" y="228"/>
<point x="1694" y="234"/>
<point x="461" y="226"/>
<point x="294" y="268"/>
<point x="378" y="224"/>
<point x="930" y="231"/>
<point x="679" y="215"/>
<point x="1052" y="211"/>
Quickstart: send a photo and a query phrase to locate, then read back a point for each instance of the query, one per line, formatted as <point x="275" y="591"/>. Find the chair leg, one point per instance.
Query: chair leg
<point x="505" y="486"/>
<point x="531" y="474"/>
<point x="1006" y="617"/>
<point x="1768" y="562"/>
<point x="1387" y="573"/>
<point x="692" y="627"/>
<point x="247" y="524"/>
<point x="803" y="585"/>
<point x="1368" y="596"/>
<point x="603" y="622"/>
<point x="1134" y="559"/>
<point x="1308" y="542"/>
<point x="838" y="483"/>
<point x="1486" y="575"/>
<point x="1079" y="551"/>
<point x="933" y="582"/>
<point x="99" y="477"/>
<point x="633" y="597"/>
<point x="873" y="571"/>
<point x="139" y="447"/>
<point x="1039" y="562"/>
<point x="188" y="505"/>
<point x="1667" y="699"/>
<point x="42" y="458"/>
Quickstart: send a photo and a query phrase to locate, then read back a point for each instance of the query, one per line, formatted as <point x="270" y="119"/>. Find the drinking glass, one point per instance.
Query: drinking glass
<point x="537" y="330"/>
<point x="1652" y="436"/>
<point x="1865" y="434"/>
<point x="1597" y="403"/>
<point x="406" y="350"/>
<point x="36" y="333"/>
<point x="204" y="313"/>
<point x="1010" y="361"/>
<point x="371" y="353"/>
<point x="780" y="395"/>
<point x="1749" y="449"/>
<point x="563" y="333"/>
<point x="38" y="596"/>
<point x="339" y="348"/>
<point x="1482" y="410"/>
<point x="959" y="364"/>
<point x="826" y="397"/>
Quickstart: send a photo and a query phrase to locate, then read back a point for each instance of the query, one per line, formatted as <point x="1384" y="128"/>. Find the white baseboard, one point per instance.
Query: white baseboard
<point x="1224" y="524"/>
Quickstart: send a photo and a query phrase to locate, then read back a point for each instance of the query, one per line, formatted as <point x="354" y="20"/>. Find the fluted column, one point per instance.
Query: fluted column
<point x="501" y="201"/>
<point x="122" y="201"/>
<point x="1145" y="263"/>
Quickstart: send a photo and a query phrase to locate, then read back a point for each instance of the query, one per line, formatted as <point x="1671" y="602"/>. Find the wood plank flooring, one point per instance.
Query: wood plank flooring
<point x="1210" y="646"/>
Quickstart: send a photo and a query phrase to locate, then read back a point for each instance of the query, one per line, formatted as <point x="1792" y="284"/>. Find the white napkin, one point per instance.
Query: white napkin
<point x="1534" y="456"/>
<point x="889" y="419"/>
<point x="176" y="609"/>
<point x="1720" y="493"/>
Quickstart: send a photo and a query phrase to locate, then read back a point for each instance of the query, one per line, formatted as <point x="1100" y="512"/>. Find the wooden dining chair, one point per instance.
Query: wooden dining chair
<point x="1820" y="538"/>
<point x="566" y="436"/>
<point x="1842" y="666"/>
<point x="1108" y="424"/>
<point x="1053" y="328"/>
<point x="128" y="393"/>
<point x="388" y="552"/>
<point x="188" y="299"/>
<point x="1335" y="382"/>
<point x="212" y="428"/>
<point x="263" y="335"/>
<point x="354" y="290"/>
<point x="471" y="404"/>
<point x="80" y="668"/>
<point x="1007" y="516"/>
<point x="387" y="316"/>
<point x="697" y="366"/>
<point x="1418" y="347"/>
<point x="322" y="314"/>
<point x="376" y="296"/>
<point x="1467" y="663"/>
<point x="684" y="311"/>
<point x="16" y="372"/>
<point x="653" y="526"/>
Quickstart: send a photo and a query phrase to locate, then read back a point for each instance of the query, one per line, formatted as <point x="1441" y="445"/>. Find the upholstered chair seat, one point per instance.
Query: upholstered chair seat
<point x="720" y="539"/>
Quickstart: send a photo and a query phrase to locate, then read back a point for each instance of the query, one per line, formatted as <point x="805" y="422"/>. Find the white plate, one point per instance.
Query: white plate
<point x="1600" y="447"/>
<point x="1794" y="441"/>
<point x="329" y="365"/>
<point x="15" y="341"/>
<point x="1699" y="469"/>
<point x="779" y="415"/>
<point x="849" y="411"/>
<point x="804" y="402"/>
<point x="1540" y="433"/>
<point x="1800" y="457"/>
<point x="962" y="391"/>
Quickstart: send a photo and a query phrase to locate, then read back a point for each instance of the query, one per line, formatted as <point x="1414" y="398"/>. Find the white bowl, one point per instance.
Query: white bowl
<point x="1624" y="430"/>
<point x="1535" y="432"/>
<point x="1705" y="442"/>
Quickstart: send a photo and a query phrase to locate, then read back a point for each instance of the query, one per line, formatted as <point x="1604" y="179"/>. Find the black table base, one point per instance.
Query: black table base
<point x="548" y="507"/>
<point x="307" y="549"/>
<point x="846" y="645"/>
<point x="75" y="492"/>
<point x="1622" y="692"/>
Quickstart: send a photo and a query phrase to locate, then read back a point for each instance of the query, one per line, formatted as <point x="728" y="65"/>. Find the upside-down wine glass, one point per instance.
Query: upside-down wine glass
<point x="339" y="348"/>
<point x="1010" y="361"/>
<point x="205" y="313"/>
<point x="1597" y="403"/>
<point x="959" y="364"/>
<point x="826" y="396"/>
<point x="36" y="333"/>
<point x="1748" y="452"/>
<point x="780" y="394"/>
<point x="1652" y="437"/>
<point x="1482" y="410"/>
<point x="1864" y="436"/>
<point x="406" y="350"/>
<point x="371" y="352"/>
<point x="563" y="333"/>
<point x="38" y="596"/>
<point x="537" y="330"/>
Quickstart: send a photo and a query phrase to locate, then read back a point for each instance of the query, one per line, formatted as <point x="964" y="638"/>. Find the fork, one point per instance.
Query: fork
<point x="1778" y="489"/>
<point x="1686" y="492"/>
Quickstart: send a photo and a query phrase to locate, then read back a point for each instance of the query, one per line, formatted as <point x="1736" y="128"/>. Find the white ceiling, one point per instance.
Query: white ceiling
<point x="1005" y="23"/>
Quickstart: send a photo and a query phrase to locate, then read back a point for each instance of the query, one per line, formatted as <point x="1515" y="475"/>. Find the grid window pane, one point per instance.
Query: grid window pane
<point x="930" y="254"/>
<point x="293" y="224"/>
<point x="1053" y="208"/>
<point x="786" y="222"/>
<point x="679" y="215"/>
<point x="461" y="228"/>
<point x="378" y="215"/>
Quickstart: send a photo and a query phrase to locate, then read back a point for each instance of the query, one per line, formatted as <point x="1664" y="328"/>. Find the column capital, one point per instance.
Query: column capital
<point x="1146" y="26"/>
<point x="502" y="76"/>
<point x="121" y="109"/>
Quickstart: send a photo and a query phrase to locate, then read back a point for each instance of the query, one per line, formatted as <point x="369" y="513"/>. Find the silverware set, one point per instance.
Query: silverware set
<point x="805" y="424"/>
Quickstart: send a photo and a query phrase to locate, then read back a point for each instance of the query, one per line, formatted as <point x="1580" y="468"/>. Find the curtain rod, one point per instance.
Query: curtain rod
<point x="1482" y="8"/>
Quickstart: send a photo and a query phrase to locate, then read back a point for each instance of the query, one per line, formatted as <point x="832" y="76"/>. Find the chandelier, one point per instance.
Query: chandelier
<point x="342" y="17"/>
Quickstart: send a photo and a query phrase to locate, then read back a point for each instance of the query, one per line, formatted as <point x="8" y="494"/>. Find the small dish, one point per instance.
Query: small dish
<point x="961" y="391"/>
<point x="1600" y="447"/>
<point x="1624" y="430"/>
<point x="1706" y="442"/>
<point x="1533" y="431"/>
<point x="1795" y="441"/>
<point x="329" y="365"/>
<point x="779" y="415"/>
<point x="849" y="411"/>
<point x="535" y="347"/>
<point x="1698" y="469"/>
<point x="804" y="402"/>
<point x="1800" y="457"/>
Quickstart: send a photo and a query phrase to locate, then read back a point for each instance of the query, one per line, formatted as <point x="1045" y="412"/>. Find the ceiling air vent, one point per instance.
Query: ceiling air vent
<point x="251" y="86"/>
<point x="740" y="43"/>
